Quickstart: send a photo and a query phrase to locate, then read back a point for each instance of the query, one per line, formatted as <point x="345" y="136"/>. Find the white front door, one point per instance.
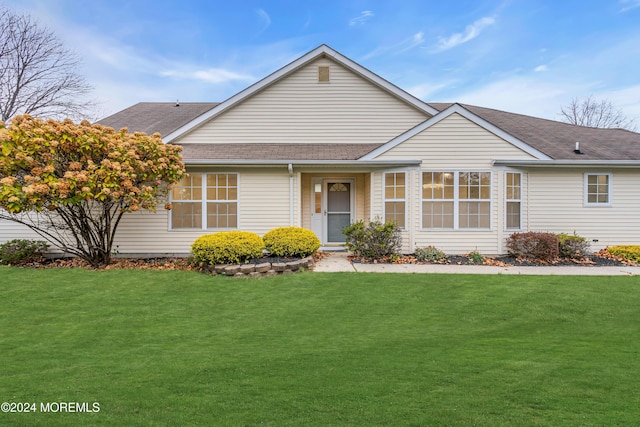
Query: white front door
<point x="332" y="208"/>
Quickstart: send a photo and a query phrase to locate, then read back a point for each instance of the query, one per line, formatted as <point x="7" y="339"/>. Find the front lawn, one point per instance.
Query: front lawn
<point x="312" y="349"/>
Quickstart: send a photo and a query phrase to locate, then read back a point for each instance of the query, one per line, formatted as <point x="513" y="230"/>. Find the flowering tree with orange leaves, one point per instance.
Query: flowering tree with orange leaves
<point x="72" y="183"/>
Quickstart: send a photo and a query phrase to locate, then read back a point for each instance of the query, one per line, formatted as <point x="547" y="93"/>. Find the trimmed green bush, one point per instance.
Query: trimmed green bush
<point x="291" y="241"/>
<point x="572" y="246"/>
<point x="19" y="251"/>
<point x="628" y="252"/>
<point x="430" y="253"/>
<point x="533" y="246"/>
<point x="374" y="240"/>
<point x="227" y="247"/>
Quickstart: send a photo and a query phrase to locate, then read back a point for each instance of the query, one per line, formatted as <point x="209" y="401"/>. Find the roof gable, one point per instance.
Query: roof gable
<point x="319" y="52"/>
<point x="456" y="109"/>
<point x="557" y="139"/>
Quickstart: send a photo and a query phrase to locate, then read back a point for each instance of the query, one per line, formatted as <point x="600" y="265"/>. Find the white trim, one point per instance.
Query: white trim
<point x="405" y="200"/>
<point x="204" y="201"/>
<point x="456" y="200"/>
<point x="456" y="109"/>
<point x="569" y="163"/>
<point x="507" y="200"/>
<point x="295" y="163"/>
<point x="587" y="204"/>
<point x="316" y="53"/>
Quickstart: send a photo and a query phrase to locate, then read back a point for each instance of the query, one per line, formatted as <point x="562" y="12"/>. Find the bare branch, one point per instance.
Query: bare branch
<point x="38" y="75"/>
<point x="598" y="114"/>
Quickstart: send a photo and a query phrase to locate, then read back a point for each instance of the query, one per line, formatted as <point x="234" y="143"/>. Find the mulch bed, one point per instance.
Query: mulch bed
<point x="599" y="259"/>
<point x="161" y="263"/>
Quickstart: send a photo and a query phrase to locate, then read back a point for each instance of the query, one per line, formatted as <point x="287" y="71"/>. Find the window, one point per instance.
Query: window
<point x="456" y="200"/>
<point x="394" y="197"/>
<point x="514" y="200"/>
<point x="597" y="189"/>
<point x="437" y="199"/>
<point x="215" y="207"/>
<point x="475" y="199"/>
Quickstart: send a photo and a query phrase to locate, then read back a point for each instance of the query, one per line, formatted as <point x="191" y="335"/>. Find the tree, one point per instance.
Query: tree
<point x="597" y="114"/>
<point x="72" y="183"/>
<point x="38" y="75"/>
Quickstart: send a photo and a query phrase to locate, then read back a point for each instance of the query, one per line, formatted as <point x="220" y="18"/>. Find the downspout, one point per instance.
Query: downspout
<point x="290" y="168"/>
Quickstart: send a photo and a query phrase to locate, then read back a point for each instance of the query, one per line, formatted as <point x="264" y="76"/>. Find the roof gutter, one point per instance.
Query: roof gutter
<point x="287" y="163"/>
<point x="569" y="163"/>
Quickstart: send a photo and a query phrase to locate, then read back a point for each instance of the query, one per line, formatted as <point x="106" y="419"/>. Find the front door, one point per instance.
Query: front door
<point x="332" y="208"/>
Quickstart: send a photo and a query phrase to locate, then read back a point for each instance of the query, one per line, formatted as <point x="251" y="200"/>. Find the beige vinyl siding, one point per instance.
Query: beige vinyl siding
<point x="263" y="204"/>
<point x="10" y="230"/>
<point x="455" y="143"/>
<point x="556" y="204"/>
<point x="299" y="109"/>
<point x="459" y="145"/>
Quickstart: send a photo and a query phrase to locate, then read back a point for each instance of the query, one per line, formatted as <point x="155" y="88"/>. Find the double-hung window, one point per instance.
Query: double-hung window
<point x="456" y="200"/>
<point x="395" y="197"/>
<point x="205" y="201"/>
<point x="513" y="200"/>
<point x="597" y="189"/>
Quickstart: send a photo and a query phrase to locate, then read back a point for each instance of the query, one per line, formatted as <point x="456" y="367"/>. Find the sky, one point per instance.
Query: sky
<point x="524" y="56"/>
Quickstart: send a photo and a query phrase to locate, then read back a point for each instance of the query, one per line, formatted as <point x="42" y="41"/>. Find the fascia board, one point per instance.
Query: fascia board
<point x="287" y="69"/>
<point x="456" y="108"/>
<point x="569" y="163"/>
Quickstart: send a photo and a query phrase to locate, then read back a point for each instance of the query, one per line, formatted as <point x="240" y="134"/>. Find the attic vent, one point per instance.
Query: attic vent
<point x="323" y="74"/>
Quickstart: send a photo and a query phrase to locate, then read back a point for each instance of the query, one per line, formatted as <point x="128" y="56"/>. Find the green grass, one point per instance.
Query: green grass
<point x="311" y="349"/>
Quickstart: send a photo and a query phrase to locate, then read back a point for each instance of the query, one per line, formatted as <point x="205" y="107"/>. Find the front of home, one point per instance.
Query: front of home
<point x="324" y="142"/>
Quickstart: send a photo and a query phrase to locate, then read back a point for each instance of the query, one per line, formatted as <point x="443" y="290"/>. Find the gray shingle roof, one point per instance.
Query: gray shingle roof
<point x="151" y="117"/>
<point x="275" y="151"/>
<point x="557" y="140"/>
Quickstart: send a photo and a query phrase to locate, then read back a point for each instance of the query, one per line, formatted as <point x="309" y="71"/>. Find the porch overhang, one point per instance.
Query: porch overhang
<point x="356" y="164"/>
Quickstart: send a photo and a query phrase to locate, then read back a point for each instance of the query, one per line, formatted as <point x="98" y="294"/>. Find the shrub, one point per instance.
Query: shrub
<point x="291" y="241"/>
<point x="628" y="252"/>
<point x="373" y="241"/>
<point x="227" y="247"/>
<point x="430" y="253"/>
<point x="533" y="246"/>
<point x="571" y="246"/>
<point x="475" y="257"/>
<point x="19" y="252"/>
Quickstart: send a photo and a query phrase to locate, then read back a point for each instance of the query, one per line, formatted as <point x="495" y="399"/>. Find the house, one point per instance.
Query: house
<point x="323" y="142"/>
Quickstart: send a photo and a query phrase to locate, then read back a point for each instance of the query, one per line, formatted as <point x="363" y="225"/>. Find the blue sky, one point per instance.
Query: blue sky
<point x="530" y="57"/>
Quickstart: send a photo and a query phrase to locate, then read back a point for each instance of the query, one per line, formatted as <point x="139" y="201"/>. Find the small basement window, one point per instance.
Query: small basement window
<point x="323" y="74"/>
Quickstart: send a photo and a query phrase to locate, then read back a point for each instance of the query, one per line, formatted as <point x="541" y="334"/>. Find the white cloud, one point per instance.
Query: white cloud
<point x="265" y="18"/>
<point x="425" y="91"/>
<point x="409" y="43"/>
<point x="471" y="32"/>
<point x="364" y="16"/>
<point x="627" y="5"/>
<point x="523" y="95"/>
<point x="210" y="75"/>
<point x="541" y="68"/>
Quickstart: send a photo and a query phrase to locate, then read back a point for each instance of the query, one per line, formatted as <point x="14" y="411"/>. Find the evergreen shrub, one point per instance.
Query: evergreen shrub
<point x="291" y="241"/>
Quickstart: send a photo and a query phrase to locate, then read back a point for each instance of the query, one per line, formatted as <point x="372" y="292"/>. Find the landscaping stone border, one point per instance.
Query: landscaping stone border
<point x="264" y="269"/>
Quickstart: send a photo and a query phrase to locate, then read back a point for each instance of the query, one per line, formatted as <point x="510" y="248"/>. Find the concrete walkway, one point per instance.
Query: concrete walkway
<point x="338" y="261"/>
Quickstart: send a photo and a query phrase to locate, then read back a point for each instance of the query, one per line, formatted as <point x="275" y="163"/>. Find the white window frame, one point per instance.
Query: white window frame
<point x="385" y="199"/>
<point x="457" y="200"/>
<point x="586" y="189"/>
<point x="204" y="201"/>
<point x="507" y="200"/>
